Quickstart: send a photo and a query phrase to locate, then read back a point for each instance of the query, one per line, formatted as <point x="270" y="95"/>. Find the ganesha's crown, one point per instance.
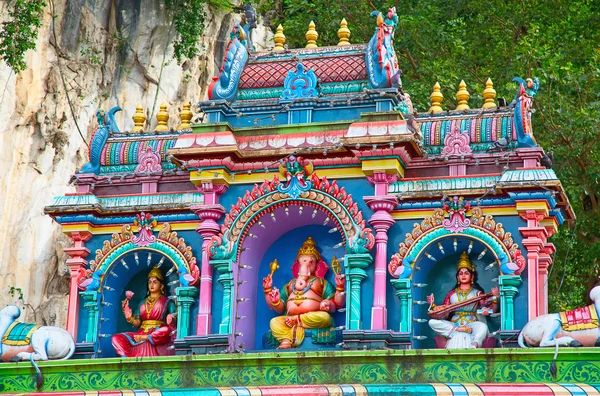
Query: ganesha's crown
<point x="309" y="248"/>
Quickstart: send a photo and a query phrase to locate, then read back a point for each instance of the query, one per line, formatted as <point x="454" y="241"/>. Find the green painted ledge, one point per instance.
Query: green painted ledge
<point x="575" y="365"/>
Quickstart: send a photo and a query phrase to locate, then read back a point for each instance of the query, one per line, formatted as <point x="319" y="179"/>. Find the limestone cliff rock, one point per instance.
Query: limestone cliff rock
<point x="108" y="53"/>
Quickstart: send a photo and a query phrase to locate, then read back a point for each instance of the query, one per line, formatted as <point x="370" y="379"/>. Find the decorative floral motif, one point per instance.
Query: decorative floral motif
<point x="267" y="198"/>
<point x="145" y="223"/>
<point x="149" y="161"/>
<point x="300" y="84"/>
<point x="457" y="209"/>
<point x="456" y="143"/>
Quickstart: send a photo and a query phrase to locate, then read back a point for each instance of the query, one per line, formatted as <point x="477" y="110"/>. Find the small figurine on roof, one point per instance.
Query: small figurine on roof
<point x="296" y="172"/>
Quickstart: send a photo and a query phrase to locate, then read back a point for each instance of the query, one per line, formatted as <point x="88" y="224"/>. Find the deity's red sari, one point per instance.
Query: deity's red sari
<point x="154" y="325"/>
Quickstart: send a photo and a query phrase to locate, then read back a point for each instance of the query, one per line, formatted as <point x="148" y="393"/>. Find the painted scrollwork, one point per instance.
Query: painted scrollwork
<point x="493" y="232"/>
<point x="267" y="197"/>
<point x="121" y="242"/>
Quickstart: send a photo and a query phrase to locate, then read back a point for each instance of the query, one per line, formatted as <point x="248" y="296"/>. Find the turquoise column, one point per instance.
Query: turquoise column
<point x="355" y="272"/>
<point x="185" y="298"/>
<point x="90" y="302"/>
<point x="224" y="269"/>
<point x="508" y="290"/>
<point x="404" y="292"/>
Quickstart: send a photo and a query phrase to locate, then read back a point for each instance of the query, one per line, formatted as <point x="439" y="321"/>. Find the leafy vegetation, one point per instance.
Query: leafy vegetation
<point x="19" y="31"/>
<point x="446" y="41"/>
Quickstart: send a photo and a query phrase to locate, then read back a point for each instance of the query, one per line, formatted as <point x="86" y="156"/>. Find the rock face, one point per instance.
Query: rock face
<point x="108" y="53"/>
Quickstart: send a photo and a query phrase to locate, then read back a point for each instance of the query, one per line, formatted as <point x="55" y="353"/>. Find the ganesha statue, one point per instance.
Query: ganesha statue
<point x="305" y="302"/>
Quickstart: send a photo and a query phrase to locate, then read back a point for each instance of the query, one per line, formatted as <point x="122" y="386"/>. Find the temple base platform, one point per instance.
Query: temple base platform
<point x="420" y="372"/>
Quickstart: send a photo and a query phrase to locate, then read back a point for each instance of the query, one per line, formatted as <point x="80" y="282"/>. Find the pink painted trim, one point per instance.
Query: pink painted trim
<point x="432" y="133"/>
<point x="473" y="126"/>
<point x="103" y="155"/>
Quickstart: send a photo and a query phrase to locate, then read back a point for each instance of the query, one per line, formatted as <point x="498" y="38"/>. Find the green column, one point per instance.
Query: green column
<point x="508" y="290"/>
<point x="90" y="302"/>
<point x="355" y="272"/>
<point x="404" y="292"/>
<point x="185" y="298"/>
<point x="224" y="269"/>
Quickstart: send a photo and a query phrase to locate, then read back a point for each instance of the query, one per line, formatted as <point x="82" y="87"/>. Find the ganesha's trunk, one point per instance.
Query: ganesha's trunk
<point x="304" y="275"/>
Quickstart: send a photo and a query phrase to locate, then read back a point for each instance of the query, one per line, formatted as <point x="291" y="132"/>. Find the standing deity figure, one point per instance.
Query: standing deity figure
<point x="307" y="301"/>
<point x="466" y="327"/>
<point x="155" y="317"/>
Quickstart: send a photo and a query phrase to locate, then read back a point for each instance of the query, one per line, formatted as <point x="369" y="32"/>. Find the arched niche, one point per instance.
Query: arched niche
<point x="437" y="270"/>
<point x="264" y="215"/>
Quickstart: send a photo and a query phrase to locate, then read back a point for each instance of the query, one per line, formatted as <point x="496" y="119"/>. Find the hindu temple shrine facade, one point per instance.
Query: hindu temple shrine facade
<point x="314" y="210"/>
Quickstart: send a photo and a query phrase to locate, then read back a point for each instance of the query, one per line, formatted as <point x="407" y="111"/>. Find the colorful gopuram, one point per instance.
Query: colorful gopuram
<point x="316" y="235"/>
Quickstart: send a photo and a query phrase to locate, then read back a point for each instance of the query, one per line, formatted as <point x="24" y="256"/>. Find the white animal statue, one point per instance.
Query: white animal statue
<point x="575" y="328"/>
<point x="30" y="342"/>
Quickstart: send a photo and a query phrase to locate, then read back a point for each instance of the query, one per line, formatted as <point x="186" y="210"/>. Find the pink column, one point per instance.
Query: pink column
<point x="76" y="263"/>
<point x="382" y="204"/>
<point x="534" y="239"/>
<point x="545" y="260"/>
<point x="209" y="213"/>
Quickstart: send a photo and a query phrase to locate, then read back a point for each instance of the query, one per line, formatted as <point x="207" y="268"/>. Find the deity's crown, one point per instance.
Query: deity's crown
<point x="465" y="262"/>
<point x="157" y="273"/>
<point x="309" y="248"/>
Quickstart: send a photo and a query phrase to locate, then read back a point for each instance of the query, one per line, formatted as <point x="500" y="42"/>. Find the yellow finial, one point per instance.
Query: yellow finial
<point x="139" y="118"/>
<point x="185" y="116"/>
<point x="489" y="94"/>
<point x="344" y="33"/>
<point x="462" y="96"/>
<point x="311" y="36"/>
<point x="279" y="39"/>
<point x="162" y="117"/>
<point x="436" y="99"/>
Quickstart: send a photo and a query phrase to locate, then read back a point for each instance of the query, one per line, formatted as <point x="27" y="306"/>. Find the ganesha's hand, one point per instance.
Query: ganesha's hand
<point x="495" y="291"/>
<point x="325" y="305"/>
<point x="340" y="281"/>
<point x="274" y="295"/>
<point x="267" y="283"/>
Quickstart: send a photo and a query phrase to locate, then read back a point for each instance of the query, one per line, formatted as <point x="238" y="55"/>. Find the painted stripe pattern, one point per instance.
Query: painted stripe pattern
<point x="433" y="389"/>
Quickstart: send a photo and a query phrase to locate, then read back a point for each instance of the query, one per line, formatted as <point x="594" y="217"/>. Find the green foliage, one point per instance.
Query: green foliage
<point x="188" y="19"/>
<point x="446" y="41"/>
<point x="19" y="32"/>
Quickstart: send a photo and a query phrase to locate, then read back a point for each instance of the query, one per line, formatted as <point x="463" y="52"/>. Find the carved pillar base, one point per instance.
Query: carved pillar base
<point x="355" y="271"/>
<point x="225" y="270"/>
<point x="508" y="290"/>
<point x="90" y="303"/>
<point x="185" y="298"/>
<point x="404" y="292"/>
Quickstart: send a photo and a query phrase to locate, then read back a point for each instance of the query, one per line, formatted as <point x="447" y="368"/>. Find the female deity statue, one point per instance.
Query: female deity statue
<point x="307" y="301"/>
<point x="155" y="319"/>
<point x="467" y="327"/>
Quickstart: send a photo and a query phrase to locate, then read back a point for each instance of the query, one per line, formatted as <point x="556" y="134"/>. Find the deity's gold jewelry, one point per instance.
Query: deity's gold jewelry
<point x="339" y="289"/>
<point x="462" y="294"/>
<point x="267" y="290"/>
<point x="278" y="302"/>
<point x="130" y="320"/>
<point x="150" y="305"/>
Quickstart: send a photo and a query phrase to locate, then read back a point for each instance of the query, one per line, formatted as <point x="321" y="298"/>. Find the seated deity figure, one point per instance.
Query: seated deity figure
<point x="307" y="301"/>
<point x="466" y="327"/>
<point x="155" y="317"/>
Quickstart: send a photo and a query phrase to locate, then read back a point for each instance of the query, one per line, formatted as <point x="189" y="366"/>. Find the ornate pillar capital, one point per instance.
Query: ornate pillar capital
<point x="381" y="180"/>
